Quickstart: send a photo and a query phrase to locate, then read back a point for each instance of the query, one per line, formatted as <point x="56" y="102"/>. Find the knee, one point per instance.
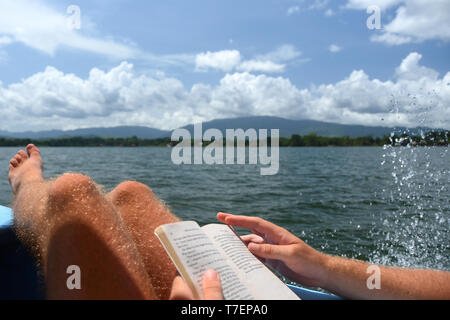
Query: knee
<point x="130" y="190"/>
<point x="71" y="187"/>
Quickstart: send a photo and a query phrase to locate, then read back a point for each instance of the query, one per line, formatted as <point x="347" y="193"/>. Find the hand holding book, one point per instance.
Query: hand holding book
<point x="194" y="250"/>
<point x="273" y="245"/>
<point x="215" y="246"/>
<point x="280" y="249"/>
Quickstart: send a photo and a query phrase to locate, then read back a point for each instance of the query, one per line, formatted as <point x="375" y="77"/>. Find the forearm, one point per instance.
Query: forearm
<point x="349" y="279"/>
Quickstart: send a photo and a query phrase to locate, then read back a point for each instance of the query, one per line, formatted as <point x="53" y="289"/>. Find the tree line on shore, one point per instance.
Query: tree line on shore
<point x="432" y="138"/>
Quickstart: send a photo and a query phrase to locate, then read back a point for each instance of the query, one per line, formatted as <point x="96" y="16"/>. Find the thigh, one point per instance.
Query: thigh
<point x="142" y="212"/>
<point x="86" y="231"/>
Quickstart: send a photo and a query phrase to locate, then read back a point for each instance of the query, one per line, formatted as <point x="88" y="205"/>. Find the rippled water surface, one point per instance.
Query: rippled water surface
<point x="385" y="205"/>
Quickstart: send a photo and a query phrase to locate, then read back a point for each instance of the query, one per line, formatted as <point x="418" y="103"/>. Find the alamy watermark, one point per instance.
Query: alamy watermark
<point x="74" y="280"/>
<point x="74" y="18"/>
<point x="374" y="280"/>
<point x="235" y="148"/>
<point x="374" y="20"/>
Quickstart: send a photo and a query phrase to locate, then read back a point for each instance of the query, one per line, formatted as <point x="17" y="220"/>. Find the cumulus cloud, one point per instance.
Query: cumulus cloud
<point x="414" y="20"/>
<point x="416" y="95"/>
<point x="119" y="96"/>
<point x="228" y="60"/>
<point x="261" y="66"/>
<point x="334" y="48"/>
<point x="410" y="69"/>
<point x="225" y="60"/>
<point x="282" y="54"/>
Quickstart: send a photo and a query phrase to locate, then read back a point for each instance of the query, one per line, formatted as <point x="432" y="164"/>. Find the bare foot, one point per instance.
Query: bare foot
<point x="25" y="167"/>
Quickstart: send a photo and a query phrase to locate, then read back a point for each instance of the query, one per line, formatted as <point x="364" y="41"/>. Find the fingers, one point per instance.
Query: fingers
<point x="222" y="216"/>
<point x="270" y="251"/>
<point x="180" y="290"/>
<point x="259" y="226"/>
<point x="211" y="286"/>
<point x="252" y="238"/>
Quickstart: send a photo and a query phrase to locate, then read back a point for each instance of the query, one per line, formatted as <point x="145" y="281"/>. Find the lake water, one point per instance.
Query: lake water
<point x="384" y="205"/>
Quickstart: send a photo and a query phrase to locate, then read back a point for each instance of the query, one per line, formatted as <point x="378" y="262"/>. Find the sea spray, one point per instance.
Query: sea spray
<point x="416" y="225"/>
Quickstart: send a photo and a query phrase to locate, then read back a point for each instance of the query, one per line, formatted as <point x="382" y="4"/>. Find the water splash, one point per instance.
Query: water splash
<point x="415" y="227"/>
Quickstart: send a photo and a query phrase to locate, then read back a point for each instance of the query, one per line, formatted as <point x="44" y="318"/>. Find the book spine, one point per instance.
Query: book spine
<point x="159" y="232"/>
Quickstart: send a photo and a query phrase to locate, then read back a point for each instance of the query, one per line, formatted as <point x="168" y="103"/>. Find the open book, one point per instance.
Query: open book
<point x="194" y="249"/>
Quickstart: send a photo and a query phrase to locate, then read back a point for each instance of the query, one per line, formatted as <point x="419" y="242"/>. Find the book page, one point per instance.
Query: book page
<point x="193" y="253"/>
<point x="261" y="281"/>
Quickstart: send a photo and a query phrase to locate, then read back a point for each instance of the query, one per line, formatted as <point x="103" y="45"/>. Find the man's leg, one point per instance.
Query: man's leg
<point x="69" y="222"/>
<point x="142" y="212"/>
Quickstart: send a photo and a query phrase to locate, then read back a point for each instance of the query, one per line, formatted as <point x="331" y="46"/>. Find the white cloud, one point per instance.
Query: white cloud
<point x="414" y="21"/>
<point x="121" y="96"/>
<point x="225" y="60"/>
<point x="54" y="99"/>
<point x="5" y="40"/>
<point x="410" y="69"/>
<point x="334" y="48"/>
<point x="37" y="25"/>
<point x="364" y="4"/>
<point x="318" y="5"/>
<point x="261" y="66"/>
<point x="329" y="13"/>
<point x="391" y="39"/>
<point x="228" y="60"/>
<point x="292" y="10"/>
<point x="283" y="53"/>
<point x="311" y="5"/>
<point x="45" y="29"/>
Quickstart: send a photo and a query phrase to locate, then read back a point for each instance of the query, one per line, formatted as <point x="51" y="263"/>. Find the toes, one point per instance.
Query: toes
<point x="23" y="154"/>
<point x="33" y="150"/>
<point x="14" y="162"/>
<point x="20" y="157"/>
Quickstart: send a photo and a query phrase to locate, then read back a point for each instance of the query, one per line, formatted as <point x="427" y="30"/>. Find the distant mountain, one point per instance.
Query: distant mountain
<point x="114" y="132"/>
<point x="287" y="128"/>
<point x="302" y="127"/>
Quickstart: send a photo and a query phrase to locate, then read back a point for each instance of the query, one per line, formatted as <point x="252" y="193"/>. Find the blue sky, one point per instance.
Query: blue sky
<point x="168" y="63"/>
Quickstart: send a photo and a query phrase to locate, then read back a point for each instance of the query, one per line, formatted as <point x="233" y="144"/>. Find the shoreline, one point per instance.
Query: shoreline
<point x="431" y="139"/>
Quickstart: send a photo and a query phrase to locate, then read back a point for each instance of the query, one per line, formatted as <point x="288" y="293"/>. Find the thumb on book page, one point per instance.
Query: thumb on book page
<point x="211" y="286"/>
